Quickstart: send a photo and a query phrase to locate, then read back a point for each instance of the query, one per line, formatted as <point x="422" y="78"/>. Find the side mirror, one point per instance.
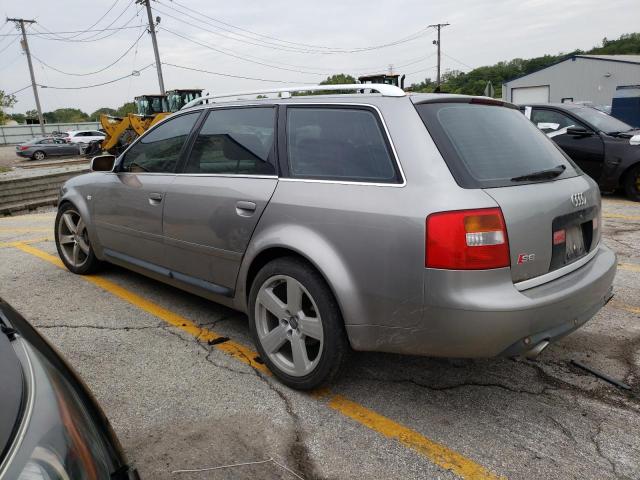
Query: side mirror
<point x="579" y="131"/>
<point x="103" y="163"/>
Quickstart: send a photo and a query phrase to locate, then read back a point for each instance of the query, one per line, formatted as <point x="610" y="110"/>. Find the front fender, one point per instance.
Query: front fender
<point x="77" y="192"/>
<point x="313" y="247"/>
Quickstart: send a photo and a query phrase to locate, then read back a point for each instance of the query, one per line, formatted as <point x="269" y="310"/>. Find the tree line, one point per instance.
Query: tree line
<point x="452" y="81"/>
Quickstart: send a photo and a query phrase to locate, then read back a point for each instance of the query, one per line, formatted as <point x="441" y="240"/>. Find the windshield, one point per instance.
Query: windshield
<point x="488" y="146"/>
<point x="601" y="121"/>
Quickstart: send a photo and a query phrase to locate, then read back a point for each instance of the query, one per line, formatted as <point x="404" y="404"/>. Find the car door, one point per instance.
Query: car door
<point x="212" y="208"/>
<point x="47" y="146"/>
<point x="586" y="150"/>
<point x="128" y="203"/>
<point x="65" y="148"/>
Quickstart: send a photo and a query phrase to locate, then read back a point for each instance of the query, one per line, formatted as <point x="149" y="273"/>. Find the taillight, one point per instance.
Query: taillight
<point x="467" y="240"/>
<point x="22" y="148"/>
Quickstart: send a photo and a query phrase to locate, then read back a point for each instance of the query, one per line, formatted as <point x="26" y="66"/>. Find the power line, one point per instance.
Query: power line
<point x="234" y="76"/>
<point x="96" y="71"/>
<point x="96" y="22"/>
<point x="126" y="8"/>
<point x="19" y="90"/>
<point x="165" y="29"/>
<point x="135" y="73"/>
<point x="49" y="32"/>
<point x="9" y="44"/>
<point x="458" y="61"/>
<point x="301" y="47"/>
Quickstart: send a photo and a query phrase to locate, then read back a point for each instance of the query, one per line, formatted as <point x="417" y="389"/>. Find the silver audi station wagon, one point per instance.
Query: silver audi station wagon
<point x="423" y="224"/>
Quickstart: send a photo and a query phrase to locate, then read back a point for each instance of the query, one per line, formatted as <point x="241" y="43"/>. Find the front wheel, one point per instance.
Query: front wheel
<point x="72" y="241"/>
<point x="296" y="324"/>
<point x="632" y="184"/>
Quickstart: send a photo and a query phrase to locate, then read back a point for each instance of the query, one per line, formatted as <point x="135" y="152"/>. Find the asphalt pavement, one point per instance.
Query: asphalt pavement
<point x="178" y="378"/>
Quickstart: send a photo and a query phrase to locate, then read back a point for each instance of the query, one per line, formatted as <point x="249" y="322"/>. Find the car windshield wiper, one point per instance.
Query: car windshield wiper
<point x="542" y="174"/>
<point x="615" y="134"/>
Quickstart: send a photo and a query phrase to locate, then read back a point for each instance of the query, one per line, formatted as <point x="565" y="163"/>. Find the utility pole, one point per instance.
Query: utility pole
<point x="25" y="46"/>
<point x="152" y="31"/>
<point x="438" y="26"/>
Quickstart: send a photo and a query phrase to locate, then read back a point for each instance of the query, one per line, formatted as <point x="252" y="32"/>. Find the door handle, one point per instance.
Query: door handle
<point x="155" y="198"/>
<point x="245" y="209"/>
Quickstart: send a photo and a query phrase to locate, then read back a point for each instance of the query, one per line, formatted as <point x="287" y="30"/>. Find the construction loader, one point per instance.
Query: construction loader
<point x="121" y="131"/>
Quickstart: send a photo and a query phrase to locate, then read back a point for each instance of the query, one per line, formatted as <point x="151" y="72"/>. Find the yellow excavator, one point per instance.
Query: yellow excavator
<point x="121" y="131"/>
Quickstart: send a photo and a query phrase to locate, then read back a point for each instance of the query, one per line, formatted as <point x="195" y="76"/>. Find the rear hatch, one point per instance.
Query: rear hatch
<point x="551" y="209"/>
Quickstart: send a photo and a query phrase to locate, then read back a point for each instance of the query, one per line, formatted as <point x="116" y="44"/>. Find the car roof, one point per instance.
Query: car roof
<point x="561" y="106"/>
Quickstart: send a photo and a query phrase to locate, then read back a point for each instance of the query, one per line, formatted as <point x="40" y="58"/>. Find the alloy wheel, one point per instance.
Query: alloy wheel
<point x="73" y="238"/>
<point x="289" y="325"/>
<point x="39" y="156"/>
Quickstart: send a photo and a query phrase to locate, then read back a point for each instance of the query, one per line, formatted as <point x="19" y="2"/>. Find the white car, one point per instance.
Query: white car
<point x="83" y="136"/>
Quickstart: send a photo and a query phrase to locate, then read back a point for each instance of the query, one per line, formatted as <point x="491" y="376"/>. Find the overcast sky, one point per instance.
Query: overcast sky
<point x="480" y="33"/>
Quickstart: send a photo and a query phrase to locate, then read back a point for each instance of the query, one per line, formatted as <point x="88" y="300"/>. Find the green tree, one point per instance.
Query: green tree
<point x="66" y="115"/>
<point x="18" y="117"/>
<point x="338" y="79"/>
<point x="95" y="116"/>
<point x="6" y="101"/>
<point x="129" y="107"/>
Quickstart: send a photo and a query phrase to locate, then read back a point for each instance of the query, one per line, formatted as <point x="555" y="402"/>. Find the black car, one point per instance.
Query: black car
<point x="51" y="427"/>
<point x="605" y="148"/>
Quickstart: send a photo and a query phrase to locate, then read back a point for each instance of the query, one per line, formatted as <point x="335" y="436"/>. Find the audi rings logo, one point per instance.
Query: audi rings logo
<point x="578" y="200"/>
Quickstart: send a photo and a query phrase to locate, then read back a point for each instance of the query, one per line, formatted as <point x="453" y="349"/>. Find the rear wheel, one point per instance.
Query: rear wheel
<point x="632" y="184"/>
<point x="39" y="155"/>
<point x="72" y="241"/>
<point x="296" y="324"/>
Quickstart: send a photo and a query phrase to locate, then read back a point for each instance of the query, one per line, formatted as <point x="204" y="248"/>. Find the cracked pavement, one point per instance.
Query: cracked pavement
<point x="179" y="403"/>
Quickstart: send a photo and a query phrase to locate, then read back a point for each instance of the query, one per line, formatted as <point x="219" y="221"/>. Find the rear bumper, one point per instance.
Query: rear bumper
<point x="23" y="154"/>
<point x="481" y="314"/>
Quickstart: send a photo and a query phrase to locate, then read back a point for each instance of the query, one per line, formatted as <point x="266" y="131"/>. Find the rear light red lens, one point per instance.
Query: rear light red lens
<point x="23" y="148"/>
<point x="467" y="240"/>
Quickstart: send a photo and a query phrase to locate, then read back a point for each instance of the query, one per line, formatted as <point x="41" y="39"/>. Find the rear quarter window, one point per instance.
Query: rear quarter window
<point x="338" y="143"/>
<point x="486" y="146"/>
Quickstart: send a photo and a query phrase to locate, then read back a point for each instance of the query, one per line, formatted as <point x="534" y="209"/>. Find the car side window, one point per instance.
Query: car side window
<point x="158" y="151"/>
<point x="45" y="140"/>
<point x="236" y="141"/>
<point x="338" y="144"/>
<point x="551" y="121"/>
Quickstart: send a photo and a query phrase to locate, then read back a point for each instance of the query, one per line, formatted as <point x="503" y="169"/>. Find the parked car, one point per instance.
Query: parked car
<point x="428" y="224"/>
<point x="84" y="136"/>
<point x="40" y="148"/>
<point x="607" y="149"/>
<point x="51" y="427"/>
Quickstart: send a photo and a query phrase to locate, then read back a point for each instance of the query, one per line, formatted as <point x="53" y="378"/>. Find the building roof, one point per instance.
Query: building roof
<point x="609" y="58"/>
<point x="614" y="58"/>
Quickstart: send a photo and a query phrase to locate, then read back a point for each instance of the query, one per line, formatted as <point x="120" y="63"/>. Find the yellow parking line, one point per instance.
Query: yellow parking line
<point x="437" y="453"/>
<point x="32" y="240"/>
<point x="628" y="308"/>
<point x="629" y="266"/>
<point x="440" y="455"/>
<point x="234" y="349"/>
<point x="620" y="216"/>
<point x="25" y="229"/>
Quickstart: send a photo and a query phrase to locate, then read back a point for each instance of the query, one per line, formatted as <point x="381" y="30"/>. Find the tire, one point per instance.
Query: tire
<point x="318" y="316"/>
<point x="72" y="241"/>
<point x="632" y="184"/>
<point x="39" y="155"/>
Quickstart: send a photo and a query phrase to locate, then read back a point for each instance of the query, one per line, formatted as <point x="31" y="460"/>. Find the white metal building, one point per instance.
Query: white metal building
<point x="591" y="78"/>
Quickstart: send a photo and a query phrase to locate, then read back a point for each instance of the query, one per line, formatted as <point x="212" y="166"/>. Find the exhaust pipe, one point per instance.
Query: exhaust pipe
<point x="537" y="350"/>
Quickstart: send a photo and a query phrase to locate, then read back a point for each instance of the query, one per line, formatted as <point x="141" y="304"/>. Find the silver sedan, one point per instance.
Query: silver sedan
<point x="40" y="148"/>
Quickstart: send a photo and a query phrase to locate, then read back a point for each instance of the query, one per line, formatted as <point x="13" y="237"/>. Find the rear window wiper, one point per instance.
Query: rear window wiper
<point x="542" y="174"/>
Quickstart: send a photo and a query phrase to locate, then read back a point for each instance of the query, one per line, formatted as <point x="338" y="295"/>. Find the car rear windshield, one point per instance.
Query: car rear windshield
<point x="488" y="146"/>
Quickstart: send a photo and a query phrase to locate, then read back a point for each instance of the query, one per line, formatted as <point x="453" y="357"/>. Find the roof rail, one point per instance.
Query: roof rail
<point x="383" y="89"/>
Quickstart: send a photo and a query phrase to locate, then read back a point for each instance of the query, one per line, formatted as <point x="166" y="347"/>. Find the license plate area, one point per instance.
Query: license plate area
<point x="572" y="237"/>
